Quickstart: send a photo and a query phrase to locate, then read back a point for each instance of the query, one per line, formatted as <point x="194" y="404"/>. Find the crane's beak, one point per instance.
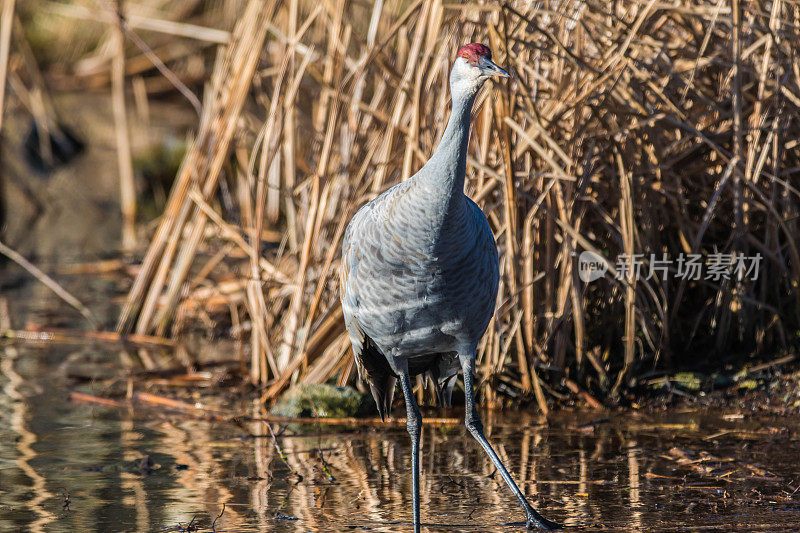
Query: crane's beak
<point x="490" y="69"/>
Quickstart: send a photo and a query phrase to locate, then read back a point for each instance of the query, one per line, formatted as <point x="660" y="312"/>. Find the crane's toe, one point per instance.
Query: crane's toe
<point x="537" y="521"/>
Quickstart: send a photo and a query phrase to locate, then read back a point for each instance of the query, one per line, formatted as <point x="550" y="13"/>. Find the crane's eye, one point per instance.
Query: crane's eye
<point x="471" y="59"/>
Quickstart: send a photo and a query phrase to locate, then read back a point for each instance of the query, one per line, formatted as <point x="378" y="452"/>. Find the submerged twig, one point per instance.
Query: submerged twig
<point x="281" y="453"/>
<point x="221" y="512"/>
<point x="55" y="335"/>
<point x="50" y="283"/>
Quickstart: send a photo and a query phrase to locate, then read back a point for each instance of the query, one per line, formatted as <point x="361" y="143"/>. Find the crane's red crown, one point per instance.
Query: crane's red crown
<point x="472" y="52"/>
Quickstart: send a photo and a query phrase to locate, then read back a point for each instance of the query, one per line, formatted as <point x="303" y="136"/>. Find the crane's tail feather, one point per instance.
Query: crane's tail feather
<point x="375" y="370"/>
<point x="446" y="386"/>
<point x="443" y="382"/>
<point x="444" y="390"/>
<point x="384" y="395"/>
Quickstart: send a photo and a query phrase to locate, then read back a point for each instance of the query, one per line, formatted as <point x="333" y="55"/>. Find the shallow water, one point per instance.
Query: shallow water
<point x="687" y="471"/>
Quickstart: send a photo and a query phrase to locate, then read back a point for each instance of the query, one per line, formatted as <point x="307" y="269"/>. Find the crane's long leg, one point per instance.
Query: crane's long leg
<point x="475" y="427"/>
<point x="414" y="426"/>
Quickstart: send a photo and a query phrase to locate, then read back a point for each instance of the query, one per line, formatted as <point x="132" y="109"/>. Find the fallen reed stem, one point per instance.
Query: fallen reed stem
<point x="50" y="283"/>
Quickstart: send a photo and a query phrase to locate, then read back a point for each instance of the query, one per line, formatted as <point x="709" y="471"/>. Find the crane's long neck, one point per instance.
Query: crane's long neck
<point x="444" y="172"/>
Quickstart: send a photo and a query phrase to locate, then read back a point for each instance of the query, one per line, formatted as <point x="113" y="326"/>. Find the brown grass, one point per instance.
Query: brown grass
<point x="627" y="128"/>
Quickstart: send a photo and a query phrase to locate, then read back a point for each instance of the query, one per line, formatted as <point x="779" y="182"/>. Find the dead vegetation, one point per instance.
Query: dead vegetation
<point x="627" y="128"/>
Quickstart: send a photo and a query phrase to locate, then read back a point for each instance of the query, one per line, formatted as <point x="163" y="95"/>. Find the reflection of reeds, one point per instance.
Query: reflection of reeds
<point x="263" y="455"/>
<point x="18" y="422"/>
<point x="634" y="482"/>
<point x="628" y="128"/>
<point x="191" y="445"/>
<point x="131" y="483"/>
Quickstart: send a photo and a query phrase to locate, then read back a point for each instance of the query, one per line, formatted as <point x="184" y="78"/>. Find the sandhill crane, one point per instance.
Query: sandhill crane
<point x="419" y="278"/>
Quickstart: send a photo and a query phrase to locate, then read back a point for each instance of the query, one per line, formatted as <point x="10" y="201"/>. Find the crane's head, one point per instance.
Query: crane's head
<point x="474" y="65"/>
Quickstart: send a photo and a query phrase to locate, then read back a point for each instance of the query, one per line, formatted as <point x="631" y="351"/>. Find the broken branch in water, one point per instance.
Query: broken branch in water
<point x="585" y="396"/>
<point x="281" y="453"/>
<point x="50" y="283"/>
<point x="214" y="523"/>
<point x="169" y="403"/>
<point x="79" y="336"/>
<point x="79" y="397"/>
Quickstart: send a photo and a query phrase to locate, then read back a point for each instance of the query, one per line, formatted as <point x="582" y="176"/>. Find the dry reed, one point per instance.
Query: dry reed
<point x="127" y="186"/>
<point x="5" y="45"/>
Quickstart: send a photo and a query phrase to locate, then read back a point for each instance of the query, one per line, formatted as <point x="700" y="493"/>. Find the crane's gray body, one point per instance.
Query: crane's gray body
<point x="420" y="271"/>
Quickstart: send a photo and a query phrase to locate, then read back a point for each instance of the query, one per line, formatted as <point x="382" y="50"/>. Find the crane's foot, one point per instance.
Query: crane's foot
<point x="537" y="521"/>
